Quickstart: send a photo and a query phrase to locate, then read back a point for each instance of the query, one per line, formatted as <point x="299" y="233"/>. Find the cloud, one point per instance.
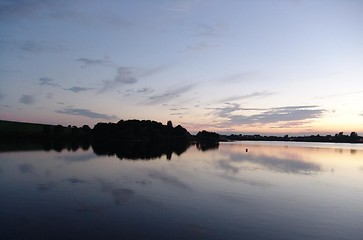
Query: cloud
<point x="247" y="96"/>
<point x="205" y="30"/>
<point x="91" y="62"/>
<point x="124" y="76"/>
<point x="129" y="76"/>
<point x="22" y="9"/>
<point x="154" y="70"/>
<point x="85" y="113"/>
<point x="290" y="114"/>
<point x="78" y="89"/>
<point x="145" y="90"/>
<point x="202" y="46"/>
<point x="2" y="96"/>
<point x="169" y="95"/>
<point x="50" y="95"/>
<point x="45" y="81"/>
<point x="240" y="77"/>
<point x="34" y="47"/>
<point x="27" y="99"/>
<point x="180" y="7"/>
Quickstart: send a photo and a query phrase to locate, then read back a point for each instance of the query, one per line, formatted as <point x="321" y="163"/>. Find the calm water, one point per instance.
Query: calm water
<point x="272" y="191"/>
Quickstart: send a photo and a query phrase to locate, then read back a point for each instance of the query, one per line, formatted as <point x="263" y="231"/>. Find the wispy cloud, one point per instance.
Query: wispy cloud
<point x="87" y="62"/>
<point x="45" y="81"/>
<point x="145" y="90"/>
<point x="78" y="89"/>
<point x="291" y="114"/>
<point x="49" y="95"/>
<point x="35" y="47"/>
<point x="27" y="99"/>
<point x="129" y="76"/>
<point x="124" y="76"/>
<point x="247" y="96"/>
<point x="202" y="46"/>
<point x="181" y="7"/>
<point x="13" y="10"/>
<point x="342" y="94"/>
<point x="239" y="77"/>
<point x="85" y="113"/>
<point x="206" y="30"/>
<point x="169" y="95"/>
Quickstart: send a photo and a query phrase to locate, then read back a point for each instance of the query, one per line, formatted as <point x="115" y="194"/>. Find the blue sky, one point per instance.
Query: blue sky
<point x="281" y="67"/>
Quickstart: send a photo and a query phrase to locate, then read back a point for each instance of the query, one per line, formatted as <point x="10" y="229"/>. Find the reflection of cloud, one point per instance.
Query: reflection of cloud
<point x="45" y="187"/>
<point x="84" y="208"/>
<point x="286" y="165"/>
<point x="78" y="89"/>
<point x="244" y="181"/>
<point x="27" y="99"/>
<point x="76" y="157"/>
<point x="45" y="81"/>
<point x="226" y="166"/>
<point x="26" y="168"/>
<point x="169" y="95"/>
<point x="73" y="180"/>
<point x="85" y="113"/>
<point x="121" y="196"/>
<point x="170" y="180"/>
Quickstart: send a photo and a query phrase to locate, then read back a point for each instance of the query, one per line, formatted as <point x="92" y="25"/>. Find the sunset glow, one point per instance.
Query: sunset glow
<point x="264" y="67"/>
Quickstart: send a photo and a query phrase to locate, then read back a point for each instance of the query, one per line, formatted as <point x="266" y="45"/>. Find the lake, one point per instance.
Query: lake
<point x="240" y="190"/>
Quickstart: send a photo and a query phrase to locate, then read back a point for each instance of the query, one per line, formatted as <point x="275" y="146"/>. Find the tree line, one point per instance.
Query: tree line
<point x="340" y="137"/>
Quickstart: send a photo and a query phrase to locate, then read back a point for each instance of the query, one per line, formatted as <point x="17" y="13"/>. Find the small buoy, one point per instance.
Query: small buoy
<point x="246" y="149"/>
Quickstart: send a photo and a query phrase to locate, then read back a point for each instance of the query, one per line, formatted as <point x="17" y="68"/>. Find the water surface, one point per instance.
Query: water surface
<point x="242" y="190"/>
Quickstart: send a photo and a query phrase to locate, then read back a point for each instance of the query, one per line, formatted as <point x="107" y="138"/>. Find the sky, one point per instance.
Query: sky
<point x="234" y="66"/>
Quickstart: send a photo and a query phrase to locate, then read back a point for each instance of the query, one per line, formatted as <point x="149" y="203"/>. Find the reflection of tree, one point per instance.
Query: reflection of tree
<point x="140" y="149"/>
<point x="207" y="140"/>
<point x="206" y="146"/>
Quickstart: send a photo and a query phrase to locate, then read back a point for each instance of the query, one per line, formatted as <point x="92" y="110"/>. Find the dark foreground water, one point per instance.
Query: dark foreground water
<point x="272" y="191"/>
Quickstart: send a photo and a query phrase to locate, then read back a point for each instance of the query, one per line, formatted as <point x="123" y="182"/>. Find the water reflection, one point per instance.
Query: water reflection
<point x="140" y="150"/>
<point x="207" y="145"/>
<point x="128" y="150"/>
<point x="26" y="168"/>
<point x="169" y="180"/>
<point x="269" y="192"/>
